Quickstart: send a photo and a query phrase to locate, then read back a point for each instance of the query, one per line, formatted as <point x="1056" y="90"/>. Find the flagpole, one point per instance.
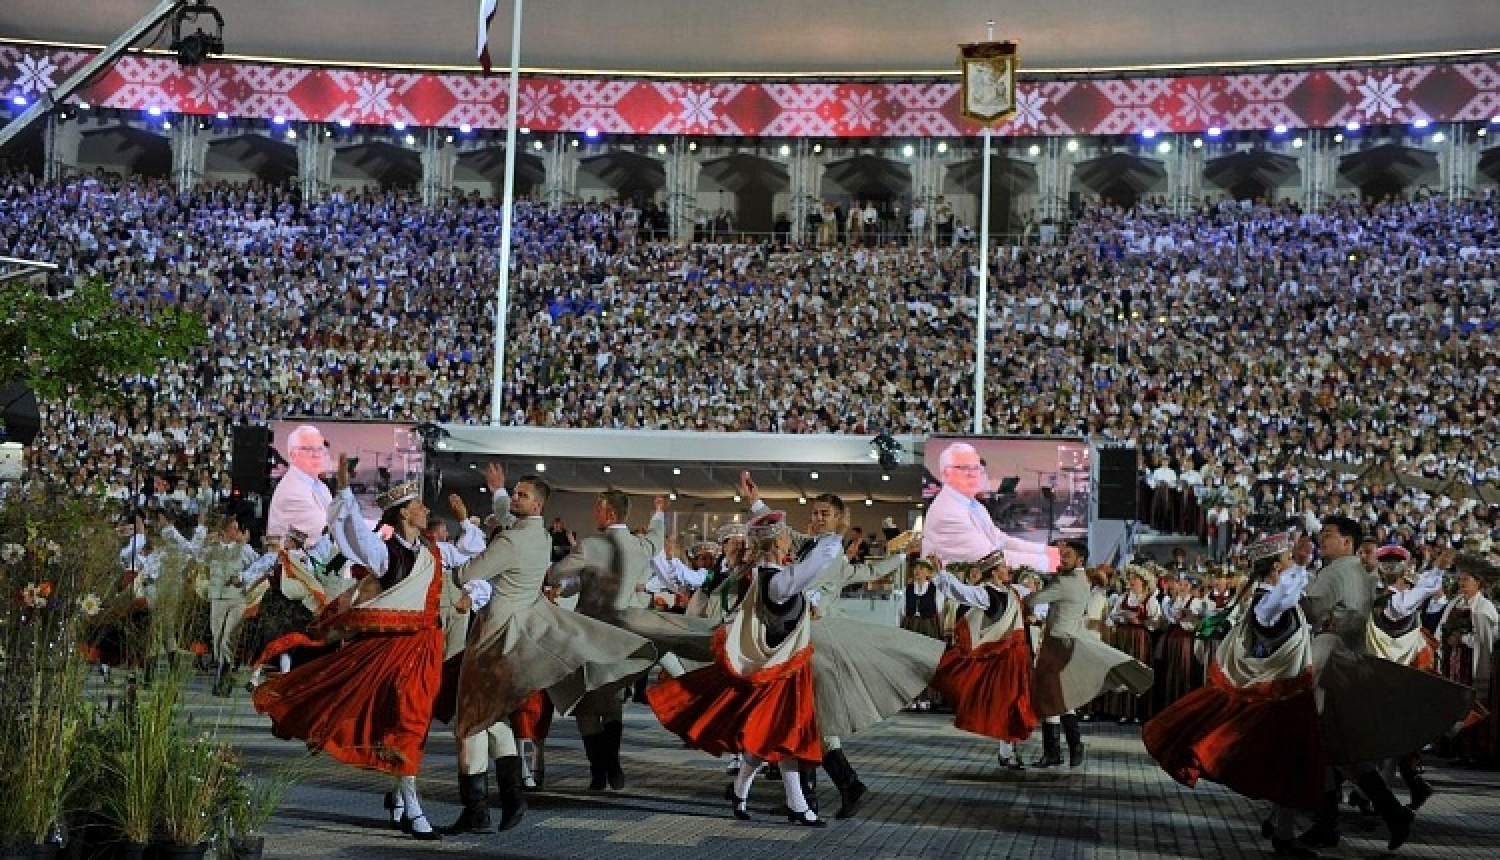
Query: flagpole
<point x="507" y="204"/>
<point x="981" y="316"/>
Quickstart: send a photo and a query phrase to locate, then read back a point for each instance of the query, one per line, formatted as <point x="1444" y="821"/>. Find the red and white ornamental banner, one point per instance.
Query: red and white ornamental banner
<point x="1256" y="101"/>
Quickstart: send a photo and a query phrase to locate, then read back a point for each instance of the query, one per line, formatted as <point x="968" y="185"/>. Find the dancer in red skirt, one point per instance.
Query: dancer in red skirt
<point x="370" y="702"/>
<point x="756" y="698"/>
<point x="987" y="674"/>
<point x="1254" y="727"/>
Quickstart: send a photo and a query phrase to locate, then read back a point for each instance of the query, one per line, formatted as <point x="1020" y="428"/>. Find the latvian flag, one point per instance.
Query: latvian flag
<point x="486" y="15"/>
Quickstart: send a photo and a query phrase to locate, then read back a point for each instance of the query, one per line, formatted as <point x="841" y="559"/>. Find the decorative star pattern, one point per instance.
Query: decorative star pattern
<point x="1313" y="98"/>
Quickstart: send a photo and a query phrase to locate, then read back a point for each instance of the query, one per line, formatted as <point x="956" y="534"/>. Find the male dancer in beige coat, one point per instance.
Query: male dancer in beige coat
<point x="605" y="571"/>
<point x="1368" y="708"/>
<point x="519" y="643"/>
<point x="1073" y="667"/>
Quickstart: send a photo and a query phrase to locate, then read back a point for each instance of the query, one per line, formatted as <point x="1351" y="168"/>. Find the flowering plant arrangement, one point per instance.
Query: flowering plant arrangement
<point x="55" y="554"/>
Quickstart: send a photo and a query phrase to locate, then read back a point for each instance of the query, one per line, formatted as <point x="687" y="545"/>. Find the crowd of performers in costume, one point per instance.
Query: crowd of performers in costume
<point x="360" y="636"/>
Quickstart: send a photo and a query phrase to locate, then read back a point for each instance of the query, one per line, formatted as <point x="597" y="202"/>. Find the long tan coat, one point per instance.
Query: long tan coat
<point x="522" y="642"/>
<point x="1369" y="708"/>
<point x="1073" y="667"/>
<point x="609" y="566"/>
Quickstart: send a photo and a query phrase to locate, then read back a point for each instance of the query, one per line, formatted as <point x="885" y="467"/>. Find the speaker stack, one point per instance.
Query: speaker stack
<point x="1119" y="475"/>
<point x="249" y="460"/>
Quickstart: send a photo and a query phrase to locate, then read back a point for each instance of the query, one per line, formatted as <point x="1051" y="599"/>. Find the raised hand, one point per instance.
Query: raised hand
<point x="748" y="489"/>
<point x="456" y="504"/>
<point x="494" y="476"/>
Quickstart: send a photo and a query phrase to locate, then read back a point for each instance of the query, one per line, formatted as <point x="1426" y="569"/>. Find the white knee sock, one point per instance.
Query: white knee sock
<point x="748" y="769"/>
<point x="399" y="810"/>
<point x="419" y="822"/>
<point x="791" y="780"/>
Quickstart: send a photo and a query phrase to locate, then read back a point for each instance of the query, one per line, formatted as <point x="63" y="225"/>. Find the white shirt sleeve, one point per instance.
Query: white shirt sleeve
<point x="1282" y="597"/>
<point x="353" y="537"/>
<point x="796" y="577"/>
<point x="470" y="539"/>
<point x="1404" y="603"/>
<point x="260" y="568"/>
<point x="973" y="595"/>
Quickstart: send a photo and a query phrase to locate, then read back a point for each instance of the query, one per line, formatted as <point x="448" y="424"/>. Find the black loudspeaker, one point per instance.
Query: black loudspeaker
<point x="1119" y="473"/>
<point x="1075" y="204"/>
<point x="249" y="470"/>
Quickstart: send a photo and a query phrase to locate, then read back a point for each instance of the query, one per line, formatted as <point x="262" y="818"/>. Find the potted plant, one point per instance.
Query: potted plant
<point x="197" y="770"/>
<point x="249" y="801"/>
<point x="54" y="556"/>
<point x="138" y="758"/>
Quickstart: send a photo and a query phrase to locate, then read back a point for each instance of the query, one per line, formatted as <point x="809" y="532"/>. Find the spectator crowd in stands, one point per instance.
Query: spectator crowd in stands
<point x="1266" y="358"/>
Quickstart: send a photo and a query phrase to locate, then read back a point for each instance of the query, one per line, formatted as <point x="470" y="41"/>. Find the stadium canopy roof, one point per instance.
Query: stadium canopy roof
<point x="787" y="37"/>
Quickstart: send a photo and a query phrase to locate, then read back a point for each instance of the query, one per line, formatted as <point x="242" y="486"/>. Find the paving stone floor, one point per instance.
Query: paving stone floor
<point x="934" y="793"/>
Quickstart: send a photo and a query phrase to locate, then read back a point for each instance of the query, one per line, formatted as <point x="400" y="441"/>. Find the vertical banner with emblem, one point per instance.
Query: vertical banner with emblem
<point x="989" y="81"/>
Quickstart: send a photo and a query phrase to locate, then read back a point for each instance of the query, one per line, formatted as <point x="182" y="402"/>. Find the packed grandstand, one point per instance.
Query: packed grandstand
<point x="1350" y="350"/>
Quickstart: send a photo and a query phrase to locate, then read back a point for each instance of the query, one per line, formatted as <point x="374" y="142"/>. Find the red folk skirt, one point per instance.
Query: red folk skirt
<point x="368" y="704"/>
<point x="533" y="720"/>
<point x="989" y="687"/>
<point x="1261" y="741"/>
<point x="767" y="713"/>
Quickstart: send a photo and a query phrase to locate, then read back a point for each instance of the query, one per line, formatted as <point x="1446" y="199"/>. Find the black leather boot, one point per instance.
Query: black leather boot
<point x="1398" y="819"/>
<point x="614" y="735"/>
<point x="508" y="787"/>
<point x="474" y="795"/>
<point x="593" y="750"/>
<point x="1075" y="739"/>
<point x="1324" y="832"/>
<point x="851" y="789"/>
<point x="1051" y="746"/>
<point x="1410" y="767"/>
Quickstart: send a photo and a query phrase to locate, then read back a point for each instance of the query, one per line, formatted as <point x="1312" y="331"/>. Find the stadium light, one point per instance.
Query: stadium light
<point x="537" y="145"/>
<point x="465" y="128"/>
<point x="1148" y="133"/>
<point x="1072" y="146"/>
<point x="1353" y="125"/>
<point x="591" y="133"/>
<point x="398" y="125"/>
<point x="942" y="147"/>
<point x="1297" y="143"/>
<point x="1419" y="124"/>
<point x="153" y="110"/>
<point x="1034" y="150"/>
<point x="1197" y="143"/>
<point x="1438" y="137"/>
<point x="344" y="123"/>
<point x="1164" y="147"/>
<point x="908" y="151"/>
<point x="18" y="101"/>
<point x="278" y="120"/>
<point x="221" y="115"/>
<point x="1280" y="128"/>
<point x="1215" y="131"/>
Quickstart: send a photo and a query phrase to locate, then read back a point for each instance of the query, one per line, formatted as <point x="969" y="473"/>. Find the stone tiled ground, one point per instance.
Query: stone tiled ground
<point x="935" y="793"/>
